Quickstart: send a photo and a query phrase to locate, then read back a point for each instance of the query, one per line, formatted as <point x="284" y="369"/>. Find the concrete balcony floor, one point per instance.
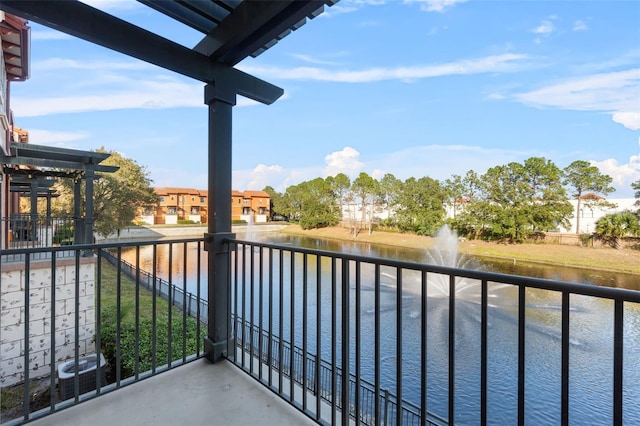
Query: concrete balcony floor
<point x="198" y="393"/>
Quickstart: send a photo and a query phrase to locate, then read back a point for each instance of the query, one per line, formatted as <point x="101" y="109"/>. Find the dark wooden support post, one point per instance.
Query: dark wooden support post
<point x="32" y="229"/>
<point x="49" y="208"/>
<point x="77" y="221"/>
<point x="88" y="207"/>
<point x="221" y="98"/>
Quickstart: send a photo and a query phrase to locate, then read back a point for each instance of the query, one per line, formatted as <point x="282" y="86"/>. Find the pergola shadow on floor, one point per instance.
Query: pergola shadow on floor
<point x="198" y="393"/>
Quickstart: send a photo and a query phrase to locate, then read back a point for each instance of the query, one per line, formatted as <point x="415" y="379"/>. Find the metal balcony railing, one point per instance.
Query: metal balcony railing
<point x="84" y="300"/>
<point x="341" y="337"/>
<point x="25" y="230"/>
<point x="399" y="342"/>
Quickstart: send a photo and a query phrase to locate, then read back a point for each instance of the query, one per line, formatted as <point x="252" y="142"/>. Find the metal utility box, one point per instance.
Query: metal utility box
<point x="86" y="376"/>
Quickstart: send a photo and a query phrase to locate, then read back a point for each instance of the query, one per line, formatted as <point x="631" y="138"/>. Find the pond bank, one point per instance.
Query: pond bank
<point x="607" y="259"/>
<point x="182" y="231"/>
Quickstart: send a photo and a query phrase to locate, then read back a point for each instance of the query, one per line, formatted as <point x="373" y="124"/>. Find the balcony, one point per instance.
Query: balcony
<point x="307" y="333"/>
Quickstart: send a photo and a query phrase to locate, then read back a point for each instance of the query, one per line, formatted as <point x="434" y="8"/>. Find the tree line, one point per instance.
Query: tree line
<point x="510" y="202"/>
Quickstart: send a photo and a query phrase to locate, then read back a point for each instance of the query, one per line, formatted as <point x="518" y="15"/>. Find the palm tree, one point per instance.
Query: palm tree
<point x="612" y="227"/>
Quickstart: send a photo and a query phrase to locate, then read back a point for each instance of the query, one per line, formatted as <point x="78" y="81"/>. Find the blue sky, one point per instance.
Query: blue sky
<point x="414" y="88"/>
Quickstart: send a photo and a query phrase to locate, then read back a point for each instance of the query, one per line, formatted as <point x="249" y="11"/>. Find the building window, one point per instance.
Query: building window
<point x="193" y="198"/>
<point x="172" y="210"/>
<point x="246" y="201"/>
<point x="162" y="199"/>
<point x="202" y="199"/>
<point x="239" y="201"/>
<point x="260" y="201"/>
<point x="171" y="198"/>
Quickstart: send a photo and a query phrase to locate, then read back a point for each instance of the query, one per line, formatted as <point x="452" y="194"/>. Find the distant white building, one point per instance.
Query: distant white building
<point x="592" y="209"/>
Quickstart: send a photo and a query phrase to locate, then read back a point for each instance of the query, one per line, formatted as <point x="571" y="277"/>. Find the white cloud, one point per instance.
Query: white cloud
<point x="580" y="25"/>
<point x="146" y="95"/>
<point x="623" y="174"/>
<point x="496" y="96"/>
<point x="262" y="174"/>
<point x="507" y="62"/>
<point x="345" y="161"/>
<point x="348" y="6"/>
<point x="106" y="85"/>
<point x="338" y="9"/>
<point x="545" y="28"/>
<point x="54" y="138"/>
<point x="49" y="35"/>
<point x="54" y="64"/>
<point x="630" y="120"/>
<point x="435" y="161"/>
<point x="430" y="160"/>
<point x="617" y="93"/>
<point x="112" y="4"/>
<point x="278" y="177"/>
<point x="434" y="5"/>
<point x="311" y="59"/>
<point x="378" y="174"/>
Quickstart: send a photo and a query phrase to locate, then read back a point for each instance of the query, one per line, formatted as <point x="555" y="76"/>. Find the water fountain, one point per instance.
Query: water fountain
<point x="445" y="253"/>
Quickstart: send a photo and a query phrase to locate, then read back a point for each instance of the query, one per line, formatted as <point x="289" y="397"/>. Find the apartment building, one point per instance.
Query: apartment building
<point x="250" y="206"/>
<point x="177" y="204"/>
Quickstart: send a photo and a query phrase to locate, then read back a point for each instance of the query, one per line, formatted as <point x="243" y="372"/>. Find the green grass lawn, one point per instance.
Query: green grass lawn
<point x="170" y="326"/>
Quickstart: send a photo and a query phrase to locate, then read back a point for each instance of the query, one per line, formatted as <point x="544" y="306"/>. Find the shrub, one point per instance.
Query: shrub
<point x="63" y="235"/>
<point x="145" y="349"/>
<point x="586" y="239"/>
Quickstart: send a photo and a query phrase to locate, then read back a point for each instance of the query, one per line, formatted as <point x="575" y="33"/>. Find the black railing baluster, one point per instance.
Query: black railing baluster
<point x="358" y="337"/>
<point x="318" y="335"/>
<point x="484" y="302"/>
<point x="170" y="308"/>
<point x="252" y="297"/>
<point x="281" y="321"/>
<point x="52" y="328"/>
<point x="305" y="283"/>
<point x="521" y="352"/>
<point x="618" y="366"/>
<point x="118" y="316"/>
<point x="260" y="309"/>
<point x="236" y="310"/>
<point x="564" y="393"/>
<point x="154" y="310"/>
<point x="376" y="344"/>
<point x="26" y="396"/>
<point x="334" y="338"/>
<point x="399" y="346"/>
<point x="198" y="284"/>
<point x="423" y="349"/>
<point x="243" y="305"/>
<point x="292" y="324"/>
<point x="270" y="347"/>
<point x="76" y="328"/>
<point x="137" y="313"/>
<point x="184" y="301"/>
<point x="346" y="343"/>
<point x="452" y="346"/>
